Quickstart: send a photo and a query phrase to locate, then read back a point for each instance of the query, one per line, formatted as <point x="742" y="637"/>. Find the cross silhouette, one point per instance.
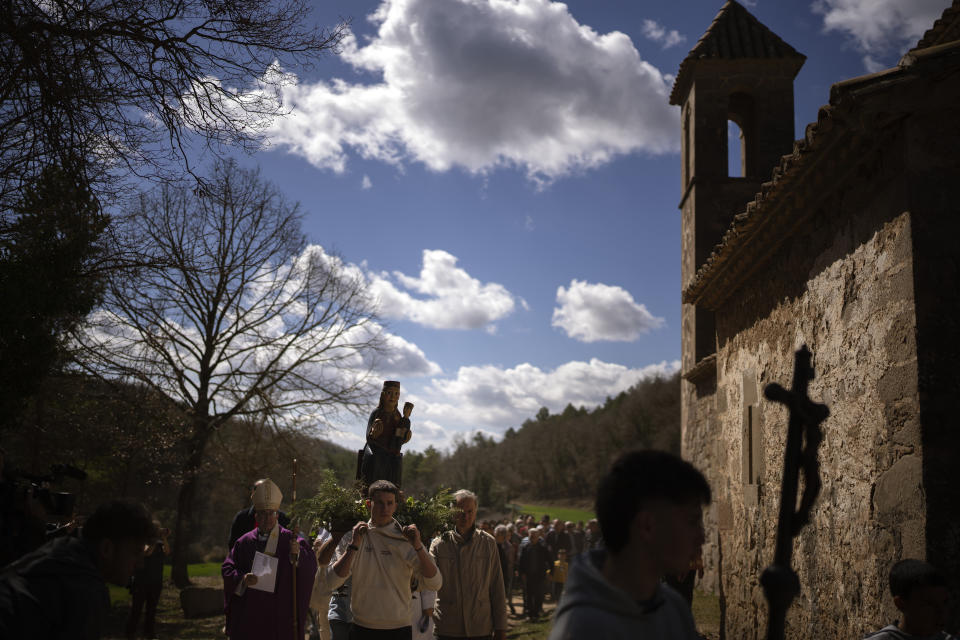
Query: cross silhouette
<point x="780" y="582"/>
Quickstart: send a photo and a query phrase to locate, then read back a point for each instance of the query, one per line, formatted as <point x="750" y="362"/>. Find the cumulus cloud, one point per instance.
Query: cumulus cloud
<point x="594" y="312"/>
<point x="495" y="399"/>
<point x="881" y="29"/>
<point x="450" y="298"/>
<point x="652" y="30"/>
<point x="398" y="357"/>
<point x="366" y="183"/>
<point x="481" y="84"/>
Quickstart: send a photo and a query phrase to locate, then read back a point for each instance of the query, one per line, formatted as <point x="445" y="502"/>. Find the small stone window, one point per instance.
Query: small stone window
<point x="752" y="440"/>
<point x="734" y="150"/>
<point x="687" y="152"/>
<point x="741" y="111"/>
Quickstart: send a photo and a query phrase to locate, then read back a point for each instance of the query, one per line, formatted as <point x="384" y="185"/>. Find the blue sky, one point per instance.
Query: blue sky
<point x="506" y="173"/>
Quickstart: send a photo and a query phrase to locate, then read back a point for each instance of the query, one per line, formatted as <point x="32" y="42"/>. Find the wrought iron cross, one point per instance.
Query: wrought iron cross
<point x="780" y="582"/>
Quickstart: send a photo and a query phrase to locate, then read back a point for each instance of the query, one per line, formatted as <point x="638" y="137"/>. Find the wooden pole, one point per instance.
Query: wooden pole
<point x="294" y="562"/>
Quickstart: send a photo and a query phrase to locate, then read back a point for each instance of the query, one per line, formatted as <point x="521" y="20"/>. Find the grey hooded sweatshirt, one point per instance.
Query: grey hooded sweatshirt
<point x="591" y="607"/>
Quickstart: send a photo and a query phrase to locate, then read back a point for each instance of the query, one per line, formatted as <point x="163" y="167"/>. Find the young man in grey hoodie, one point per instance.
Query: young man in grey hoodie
<point x="649" y="507"/>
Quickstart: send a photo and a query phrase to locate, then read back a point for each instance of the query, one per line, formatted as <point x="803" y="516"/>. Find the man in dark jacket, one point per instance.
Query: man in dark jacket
<point x="650" y="510"/>
<point x="533" y="564"/>
<point x="59" y="591"/>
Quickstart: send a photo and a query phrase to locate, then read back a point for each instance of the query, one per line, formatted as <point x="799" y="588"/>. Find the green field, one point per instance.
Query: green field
<point x="564" y="513"/>
<point x="205" y="570"/>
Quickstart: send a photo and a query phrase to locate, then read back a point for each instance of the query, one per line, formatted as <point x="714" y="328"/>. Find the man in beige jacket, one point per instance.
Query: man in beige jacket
<point x="472" y="603"/>
<point x="382" y="557"/>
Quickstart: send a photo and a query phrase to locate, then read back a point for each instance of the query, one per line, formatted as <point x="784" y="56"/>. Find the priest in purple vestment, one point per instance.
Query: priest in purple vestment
<point x="260" y="613"/>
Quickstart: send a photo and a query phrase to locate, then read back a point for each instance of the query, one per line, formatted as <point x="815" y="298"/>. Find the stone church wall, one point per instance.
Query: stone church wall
<point x="844" y="287"/>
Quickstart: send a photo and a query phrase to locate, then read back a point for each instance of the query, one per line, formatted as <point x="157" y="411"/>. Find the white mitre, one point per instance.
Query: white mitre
<point x="266" y="495"/>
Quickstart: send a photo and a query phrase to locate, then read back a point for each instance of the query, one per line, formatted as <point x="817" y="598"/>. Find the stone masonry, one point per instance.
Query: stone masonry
<point x="850" y="247"/>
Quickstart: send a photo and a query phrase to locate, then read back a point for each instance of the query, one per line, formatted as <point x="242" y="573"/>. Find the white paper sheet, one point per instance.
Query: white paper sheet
<point x="265" y="568"/>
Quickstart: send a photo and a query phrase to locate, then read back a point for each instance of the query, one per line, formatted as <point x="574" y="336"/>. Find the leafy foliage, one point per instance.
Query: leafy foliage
<point x="336" y="507"/>
<point x="128" y="86"/>
<point x="339" y="507"/>
<point x="49" y="252"/>
<point x="431" y="514"/>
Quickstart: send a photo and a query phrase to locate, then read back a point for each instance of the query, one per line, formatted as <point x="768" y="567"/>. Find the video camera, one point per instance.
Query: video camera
<point x="57" y="504"/>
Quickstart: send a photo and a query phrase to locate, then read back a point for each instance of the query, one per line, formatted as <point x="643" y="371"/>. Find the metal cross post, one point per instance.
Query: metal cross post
<point x="780" y="582"/>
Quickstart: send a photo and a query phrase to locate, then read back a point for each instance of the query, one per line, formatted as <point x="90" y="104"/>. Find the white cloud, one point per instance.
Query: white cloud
<point x="453" y="298"/>
<point x="495" y="399"/>
<point x="398" y="357"/>
<point x="428" y="432"/>
<point x="481" y="84"/>
<point x="366" y="183"/>
<point x="881" y="29"/>
<point x="654" y="31"/>
<point x="594" y="312"/>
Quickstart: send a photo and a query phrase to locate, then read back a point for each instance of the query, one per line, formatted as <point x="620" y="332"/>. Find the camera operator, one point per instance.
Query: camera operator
<point x="23" y="519"/>
<point x="60" y="590"/>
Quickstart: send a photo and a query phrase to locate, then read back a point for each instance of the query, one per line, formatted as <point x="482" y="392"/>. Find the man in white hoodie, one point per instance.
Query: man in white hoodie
<point x="649" y="507"/>
<point x="382" y="558"/>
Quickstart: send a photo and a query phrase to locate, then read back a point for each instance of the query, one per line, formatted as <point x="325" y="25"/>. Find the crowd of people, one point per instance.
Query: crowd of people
<point x="380" y="580"/>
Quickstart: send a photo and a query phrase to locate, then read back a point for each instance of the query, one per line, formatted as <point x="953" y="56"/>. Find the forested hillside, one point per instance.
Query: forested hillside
<point x="555" y="456"/>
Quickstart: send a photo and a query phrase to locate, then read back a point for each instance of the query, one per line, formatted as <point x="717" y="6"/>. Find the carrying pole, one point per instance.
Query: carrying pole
<point x="295" y="560"/>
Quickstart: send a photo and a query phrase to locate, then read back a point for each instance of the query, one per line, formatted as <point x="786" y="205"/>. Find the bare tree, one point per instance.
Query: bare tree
<point x="232" y="315"/>
<point x="129" y="85"/>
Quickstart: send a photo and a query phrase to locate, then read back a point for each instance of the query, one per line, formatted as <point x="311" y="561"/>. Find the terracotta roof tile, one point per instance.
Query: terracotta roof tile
<point x="734" y="33"/>
<point x="945" y="29"/>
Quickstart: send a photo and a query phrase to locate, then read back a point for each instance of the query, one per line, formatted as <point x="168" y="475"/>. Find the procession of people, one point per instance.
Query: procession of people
<point x="626" y="574"/>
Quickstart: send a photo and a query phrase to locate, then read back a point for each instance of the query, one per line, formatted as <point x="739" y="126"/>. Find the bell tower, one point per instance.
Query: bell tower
<point x="741" y="72"/>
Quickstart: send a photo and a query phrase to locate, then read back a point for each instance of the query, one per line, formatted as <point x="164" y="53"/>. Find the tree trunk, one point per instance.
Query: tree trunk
<point x="184" y="528"/>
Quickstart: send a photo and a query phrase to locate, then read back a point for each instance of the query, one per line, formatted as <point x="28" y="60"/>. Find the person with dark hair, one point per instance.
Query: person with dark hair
<point x="533" y="564"/>
<point x="383" y="558"/>
<point x="919" y="592"/>
<point x="649" y="506"/>
<point x="147" y="585"/>
<point x="59" y="590"/>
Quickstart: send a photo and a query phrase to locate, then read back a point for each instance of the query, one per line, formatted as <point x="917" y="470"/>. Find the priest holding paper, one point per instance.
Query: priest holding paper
<point x="263" y="571"/>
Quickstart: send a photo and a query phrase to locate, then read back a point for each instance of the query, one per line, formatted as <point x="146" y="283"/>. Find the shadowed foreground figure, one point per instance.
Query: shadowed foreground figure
<point x="649" y="507"/>
<point x="919" y="592"/>
<point x="60" y="590"/>
<point x="251" y="611"/>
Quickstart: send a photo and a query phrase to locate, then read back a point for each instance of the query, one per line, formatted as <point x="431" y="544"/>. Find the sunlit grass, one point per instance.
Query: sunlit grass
<point x="564" y="513"/>
<point x="201" y="570"/>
